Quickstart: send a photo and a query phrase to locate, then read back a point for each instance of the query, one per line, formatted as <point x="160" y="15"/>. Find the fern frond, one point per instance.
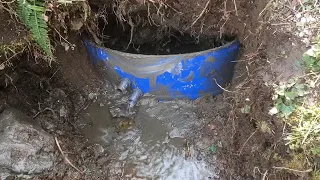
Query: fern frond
<point x="32" y="14"/>
<point x="24" y="11"/>
<point x="39" y="29"/>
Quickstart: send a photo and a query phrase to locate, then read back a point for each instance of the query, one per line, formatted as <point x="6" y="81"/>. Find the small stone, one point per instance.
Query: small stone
<point x="144" y="101"/>
<point x="199" y="158"/>
<point x="98" y="150"/>
<point x="298" y="15"/>
<point x="301" y="34"/>
<point x="306" y="41"/>
<point x="175" y="106"/>
<point x="303" y="20"/>
<point x="273" y="111"/>
<point x="211" y="126"/>
<point x="92" y="96"/>
<point x="48" y="125"/>
<point x="66" y="46"/>
<point x="310" y="33"/>
<point x="63" y="112"/>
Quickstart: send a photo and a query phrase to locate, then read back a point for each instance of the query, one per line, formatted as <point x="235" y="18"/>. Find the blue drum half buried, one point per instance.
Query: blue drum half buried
<point x="189" y="75"/>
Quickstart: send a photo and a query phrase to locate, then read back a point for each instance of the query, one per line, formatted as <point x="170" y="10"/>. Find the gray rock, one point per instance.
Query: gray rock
<point x="24" y="146"/>
<point x="4" y="174"/>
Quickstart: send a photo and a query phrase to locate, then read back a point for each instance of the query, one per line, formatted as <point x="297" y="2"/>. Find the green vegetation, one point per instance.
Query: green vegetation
<point x="296" y="102"/>
<point x="312" y="57"/>
<point x="305" y="132"/>
<point x="32" y="13"/>
<point x="316" y="174"/>
<point x="287" y="96"/>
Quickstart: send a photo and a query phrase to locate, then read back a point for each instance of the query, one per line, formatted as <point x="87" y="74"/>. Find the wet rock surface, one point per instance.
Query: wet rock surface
<point x="24" y="146"/>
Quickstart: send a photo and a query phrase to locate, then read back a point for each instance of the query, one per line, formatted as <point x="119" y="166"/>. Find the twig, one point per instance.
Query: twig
<point x="307" y="134"/>
<point x="54" y="73"/>
<point x="201" y="14"/>
<point x="131" y="35"/>
<point x="294" y="170"/>
<point x="11" y="80"/>
<point x="14" y="55"/>
<point x="175" y="10"/>
<point x="122" y="172"/>
<point x="9" y="2"/>
<point x="280" y="24"/>
<point x="265" y="8"/>
<point x="96" y="39"/>
<point x="301" y="4"/>
<point x="221" y="86"/>
<point x="254" y="171"/>
<point x="61" y="37"/>
<point x="8" y="10"/>
<point x="32" y="74"/>
<point x="45" y="109"/>
<point x="66" y="159"/>
<point x="233" y="122"/>
<point x="264" y="175"/>
<point x="235" y="7"/>
<point x="225" y="17"/>
<point x="246" y="142"/>
<point x="70" y="1"/>
<point x="150" y="18"/>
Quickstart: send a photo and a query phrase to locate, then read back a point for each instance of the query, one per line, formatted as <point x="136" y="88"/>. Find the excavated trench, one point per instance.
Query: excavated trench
<point x="181" y="139"/>
<point x="152" y="140"/>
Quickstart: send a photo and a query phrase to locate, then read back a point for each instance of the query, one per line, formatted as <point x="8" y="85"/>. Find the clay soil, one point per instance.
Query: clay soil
<point x="58" y="93"/>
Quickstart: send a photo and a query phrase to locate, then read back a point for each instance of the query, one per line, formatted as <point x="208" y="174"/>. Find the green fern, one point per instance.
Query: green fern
<point x="32" y="14"/>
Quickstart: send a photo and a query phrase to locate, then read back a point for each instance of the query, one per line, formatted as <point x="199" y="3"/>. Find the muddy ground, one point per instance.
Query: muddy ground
<point x="246" y="143"/>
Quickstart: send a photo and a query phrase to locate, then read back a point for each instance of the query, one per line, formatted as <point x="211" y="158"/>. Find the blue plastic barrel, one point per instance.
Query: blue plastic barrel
<point x="189" y="75"/>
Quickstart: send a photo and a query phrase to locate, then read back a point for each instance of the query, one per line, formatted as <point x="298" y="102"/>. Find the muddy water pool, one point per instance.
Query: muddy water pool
<point x="152" y="142"/>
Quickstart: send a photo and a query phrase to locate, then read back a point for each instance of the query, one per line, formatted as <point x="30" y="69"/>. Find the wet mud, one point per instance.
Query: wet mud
<point x="150" y="142"/>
